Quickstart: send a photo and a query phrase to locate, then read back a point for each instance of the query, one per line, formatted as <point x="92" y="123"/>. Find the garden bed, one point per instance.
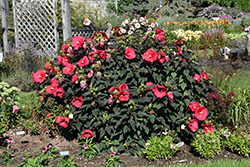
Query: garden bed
<point x="33" y="145"/>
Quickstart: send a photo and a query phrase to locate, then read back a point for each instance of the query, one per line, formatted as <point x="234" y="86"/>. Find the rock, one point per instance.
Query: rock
<point x="247" y="50"/>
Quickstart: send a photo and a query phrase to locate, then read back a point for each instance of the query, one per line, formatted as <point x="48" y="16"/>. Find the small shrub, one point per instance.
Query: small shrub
<point x="162" y="146"/>
<point x="207" y="144"/>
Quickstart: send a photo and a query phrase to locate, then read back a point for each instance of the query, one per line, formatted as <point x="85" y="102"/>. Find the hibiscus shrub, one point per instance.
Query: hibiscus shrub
<point x="127" y="91"/>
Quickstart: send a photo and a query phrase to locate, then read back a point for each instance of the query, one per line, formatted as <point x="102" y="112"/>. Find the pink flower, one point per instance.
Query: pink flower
<point x="52" y="88"/>
<point x="193" y="106"/>
<point x="159" y="34"/>
<point x="65" y="60"/>
<point x="69" y="69"/>
<point x="9" y="140"/>
<point x="60" y="59"/>
<point x="197" y="77"/>
<point x="77" y="102"/>
<point x="39" y="76"/>
<point x="59" y="92"/>
<point x="85" y="146"/>
<point x="65" y="48"/>
<point x="149" y="83"/>
<point x="47" y="66"/>
<point x="74" y="78"/>
<point x="83" y="85"/>
<point x="160" y="91"/>
<point x="90" y="74"/>
<point x="87" y="133"/>
<point x="62" y="121"/>
<point x="204" y="76"/>
<point x="208" y="127"/>
<point x="193" y="125"/>
<point x="86" y="22"/>
<point x="170" y="97"/>
<point x="161" y="57"/>
<point x="130" y="53"/>
<point x="111" y="101"/>
<point x="15" y="108"/>
<point x="77" y="42"/>
<point x="123" y="95"/>
<point x="201" y="113"/>
<point x="150" y="55"/>
<point x="83" y="62"/>
<point x="123" y="86"/>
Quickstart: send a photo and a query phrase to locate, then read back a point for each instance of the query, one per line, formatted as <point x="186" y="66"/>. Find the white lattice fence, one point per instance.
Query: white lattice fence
<point x="36" y="22"/>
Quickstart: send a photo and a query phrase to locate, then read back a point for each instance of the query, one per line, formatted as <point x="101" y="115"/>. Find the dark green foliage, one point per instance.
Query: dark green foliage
<point x="240" y="4"/>
<point x="137" y="7"/>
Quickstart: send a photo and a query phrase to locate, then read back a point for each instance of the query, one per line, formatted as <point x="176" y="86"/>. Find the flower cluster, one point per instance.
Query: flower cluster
<point x="119" y="92"/>
<point x="129" y="27"/>
<point x="46" y="148"/>
<point x="203" y="75"/>
<point x="226" y="133"/>
<point x="188" y="35"/>
<point x="200" y="113"/>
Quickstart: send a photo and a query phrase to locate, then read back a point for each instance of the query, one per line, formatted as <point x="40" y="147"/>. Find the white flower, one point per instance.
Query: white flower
<point x="123" y="24"/>
<point x="123" y="30"/>
<point x="157" y="24"/>
<point x="180" y="144"/>
<point x="132" y="28"/>
<point x="134" y="21"/>
<point x="126" y="21"/>
<point x="71" y="116"/>
<point x="147" y="144"/>
<point x="152" y="25"/>
<point x="165" y="133"/>
<point x="130" y="32"/>
<point x="137" y="25"/>
<point x="86" y="22"/>
<point x="183" y="126"/>
<point x="141" y="19"/>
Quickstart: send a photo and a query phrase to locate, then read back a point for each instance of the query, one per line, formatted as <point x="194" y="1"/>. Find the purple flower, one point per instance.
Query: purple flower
<point x="15" y="108"/>
<point x="173" y="146"/>
<point x="112" y="153"/>
<point x="165" y="133"/>
<point x="147" y="144"/>
<point x="85" y="146"/>
<point x="9" y="140"/>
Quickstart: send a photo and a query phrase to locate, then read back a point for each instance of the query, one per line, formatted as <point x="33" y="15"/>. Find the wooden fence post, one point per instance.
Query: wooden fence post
<point x="5" y="22"/>
<point x="66" y="18"/>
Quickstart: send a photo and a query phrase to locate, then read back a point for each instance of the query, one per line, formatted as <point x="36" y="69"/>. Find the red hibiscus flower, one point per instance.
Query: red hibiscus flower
<point x="104" y="35"/>
<point x="123" y="95"/>
<point x="179" y="41"/>
<point x="201" y="113"/>
<point x="113" y="89"/>
<point x="184" y="59"/>
<point x="52" y="88"/>
<point x="179" y="51"/>
<point x="161" y="57"/>
<point x="74" y="78"/>
<point x="59" y="92"/>
<point x="77" y="42"/>
<point x="159" y="34"/>
<point x="77" y="102"/>
<point x="47" y="66"/>
<point x="65" y="60"/>
<point x="52" y="70"/>
<point x="65" y="48"/>
<point x="149" y="83"/>
<point x="92" y="56"/>
<point x="193" y="125"/>
<point x="102" y="54"/>
<point x="204" y="76"/>
<point x="208" y="127"/>
<point x="193" y="106"/>
<point x="60" y="59"/>
<point x="123" y="86"/>
<point x="69" y="69"/>
<point x="87" y="133"/>
<point x="170" y="97"/>
<point x="39" y="76"/>
<point x="62" y="121"/>
<point x="130" y="53"/>
<point x="116" y="31"/>
<point x="83" y="62"/>
<point x="197" y="77"/>
<point x="150" y="55"/>
<point x="160" y="91"/>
